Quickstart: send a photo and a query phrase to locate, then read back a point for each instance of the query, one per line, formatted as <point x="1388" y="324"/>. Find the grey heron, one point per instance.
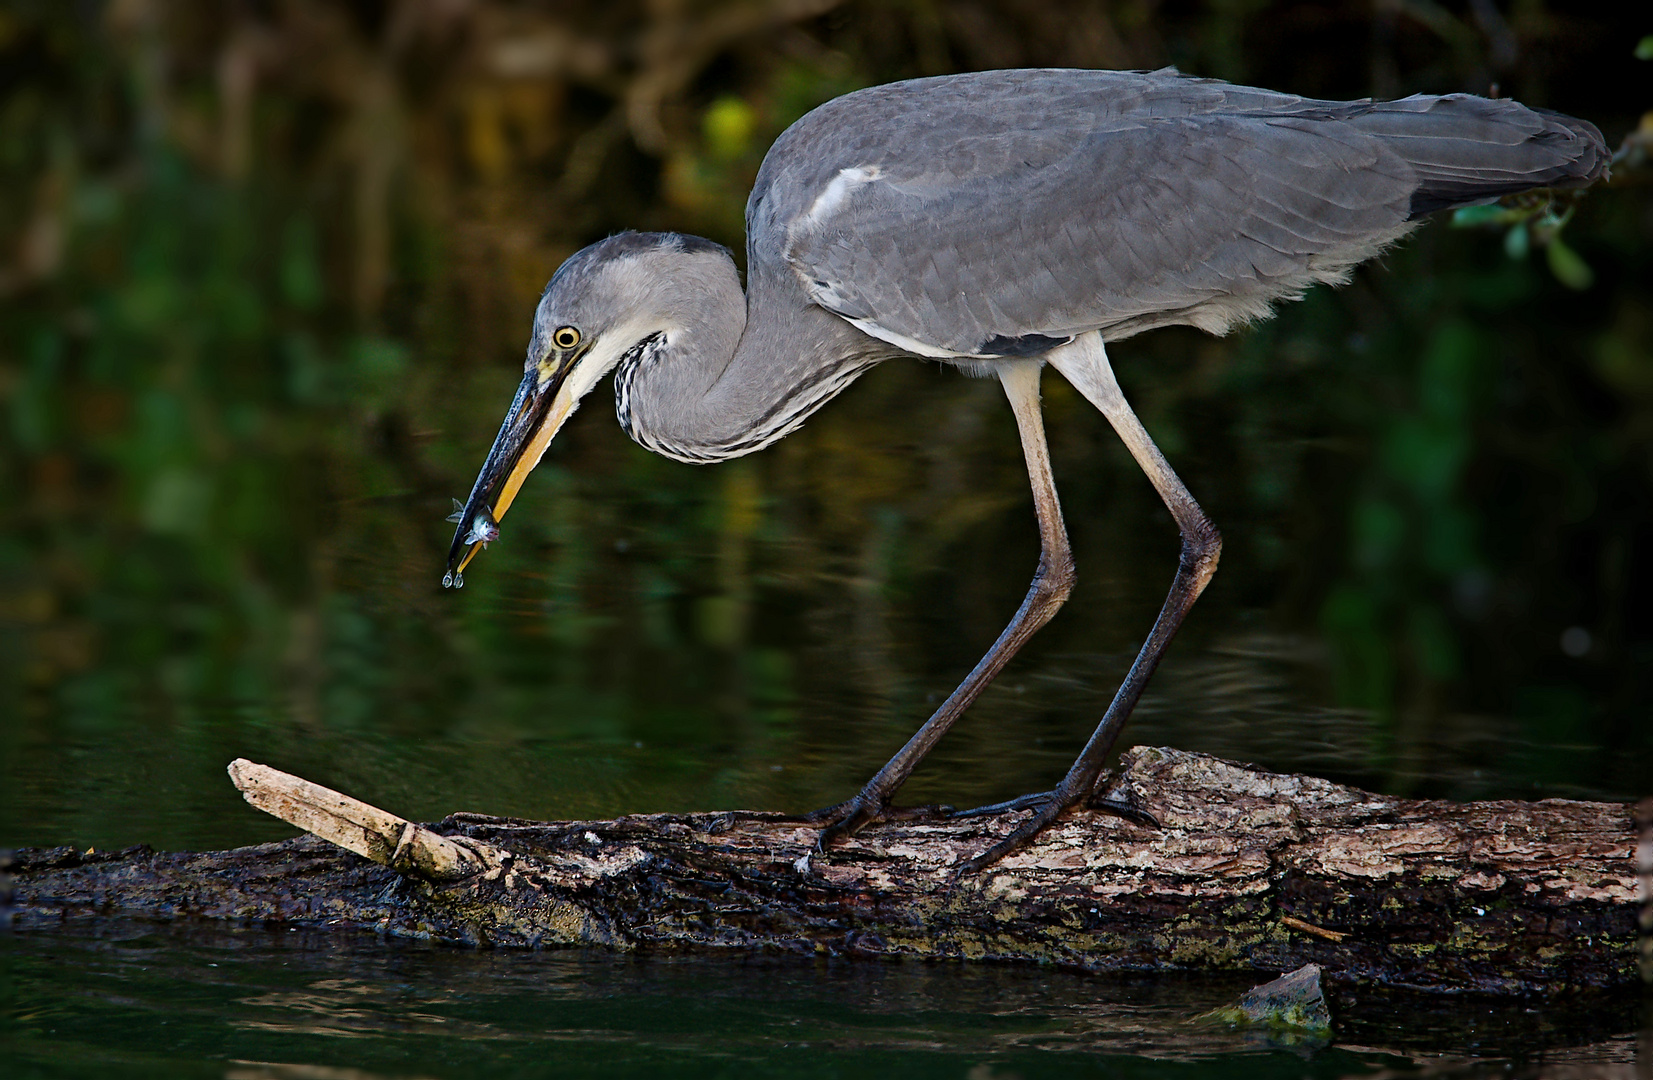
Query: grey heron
<point x="1002" y="221"/>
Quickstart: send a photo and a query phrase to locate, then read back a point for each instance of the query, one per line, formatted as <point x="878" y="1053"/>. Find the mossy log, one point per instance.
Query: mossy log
<point x="1249" y="870"/>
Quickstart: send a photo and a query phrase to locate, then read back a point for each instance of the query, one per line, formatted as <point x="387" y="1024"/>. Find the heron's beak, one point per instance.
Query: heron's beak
<point x="537" y="412"/>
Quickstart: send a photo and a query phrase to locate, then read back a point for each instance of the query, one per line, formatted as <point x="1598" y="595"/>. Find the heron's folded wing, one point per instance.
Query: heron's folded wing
<point x="1202" y="219"/>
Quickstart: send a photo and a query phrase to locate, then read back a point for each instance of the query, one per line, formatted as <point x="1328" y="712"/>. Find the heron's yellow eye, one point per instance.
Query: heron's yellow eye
<point x="565" y="337"/>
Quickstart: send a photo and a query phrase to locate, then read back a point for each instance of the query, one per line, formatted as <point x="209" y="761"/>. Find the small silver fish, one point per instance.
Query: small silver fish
<point x="484" y="529"/>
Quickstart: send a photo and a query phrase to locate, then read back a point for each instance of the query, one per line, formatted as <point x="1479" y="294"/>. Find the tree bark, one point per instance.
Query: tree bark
<point x="1248" y="871"/>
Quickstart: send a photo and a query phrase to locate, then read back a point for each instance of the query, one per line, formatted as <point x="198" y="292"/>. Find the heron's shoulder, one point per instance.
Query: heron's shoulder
<point x="1021" y="99"/>
<point x="953" y="126"/>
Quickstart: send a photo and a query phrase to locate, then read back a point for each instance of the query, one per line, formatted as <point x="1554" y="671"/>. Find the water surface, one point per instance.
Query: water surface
<point x="272" y="1005"/>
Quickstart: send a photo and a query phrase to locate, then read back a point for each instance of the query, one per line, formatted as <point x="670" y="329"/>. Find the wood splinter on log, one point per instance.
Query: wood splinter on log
<point x="408" y="848"/>
<point x="1249" y="871"/>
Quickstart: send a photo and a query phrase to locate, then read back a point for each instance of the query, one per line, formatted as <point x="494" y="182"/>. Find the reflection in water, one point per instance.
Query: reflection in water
<point x="270" y="1070"/>
<point x="301" y="1005"/>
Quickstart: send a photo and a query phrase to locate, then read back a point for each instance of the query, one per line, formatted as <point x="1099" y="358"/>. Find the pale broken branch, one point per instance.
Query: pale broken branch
<point x="408" y="848"/>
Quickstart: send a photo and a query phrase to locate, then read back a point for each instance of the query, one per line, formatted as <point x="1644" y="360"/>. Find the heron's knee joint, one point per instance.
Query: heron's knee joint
<point x="1056" y="578"/>
<point x="1202" y="547"/>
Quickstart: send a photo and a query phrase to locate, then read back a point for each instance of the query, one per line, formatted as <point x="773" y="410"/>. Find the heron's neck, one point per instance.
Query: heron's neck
<point x="739" y="372"/>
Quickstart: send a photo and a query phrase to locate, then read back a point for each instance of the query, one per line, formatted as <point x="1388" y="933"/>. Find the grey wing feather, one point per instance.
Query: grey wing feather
<point x="1002" y="213"/>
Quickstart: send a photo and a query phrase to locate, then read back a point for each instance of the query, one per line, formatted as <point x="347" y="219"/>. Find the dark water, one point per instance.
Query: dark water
<point x="146" y="1001"/>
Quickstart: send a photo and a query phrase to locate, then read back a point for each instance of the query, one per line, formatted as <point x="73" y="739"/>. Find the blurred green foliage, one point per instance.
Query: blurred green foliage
<point x="266" y="271"/>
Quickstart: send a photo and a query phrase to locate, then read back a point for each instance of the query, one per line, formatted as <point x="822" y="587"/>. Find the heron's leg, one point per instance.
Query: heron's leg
<point x="1084" y="363"/>
<point x="1051" y="585"/>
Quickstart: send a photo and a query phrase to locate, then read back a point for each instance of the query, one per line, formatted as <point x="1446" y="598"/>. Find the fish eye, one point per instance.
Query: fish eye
<point x="565" y="337"/>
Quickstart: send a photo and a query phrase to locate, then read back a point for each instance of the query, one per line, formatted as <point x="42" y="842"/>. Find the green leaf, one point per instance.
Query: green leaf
<point x="1470" y="217"/>
<point x="1518" y="241"/>
<point x="1568" y="267"/>
<point x="1644" y="48"/>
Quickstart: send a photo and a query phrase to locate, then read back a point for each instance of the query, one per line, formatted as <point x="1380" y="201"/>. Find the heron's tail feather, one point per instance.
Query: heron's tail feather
<point x="1466" y="149"/>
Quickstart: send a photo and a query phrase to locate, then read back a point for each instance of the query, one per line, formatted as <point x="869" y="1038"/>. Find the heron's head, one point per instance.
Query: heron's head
<point x="603" y="303"/>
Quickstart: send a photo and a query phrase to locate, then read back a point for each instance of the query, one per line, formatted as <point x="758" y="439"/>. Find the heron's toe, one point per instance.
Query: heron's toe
<point x="830" y="815"/>
<point x="1128" y="811"/>
<point x="1024" y="834"/>
<point x="1023" y="802"/>
<point x="1048" y="806"/>
<point x="856" y="816"/>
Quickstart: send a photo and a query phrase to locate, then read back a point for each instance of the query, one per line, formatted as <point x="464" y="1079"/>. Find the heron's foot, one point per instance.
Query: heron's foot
<point x="847" y="819"/>
<point x="850" y="817"/>
<point x="1049" y="805"/>
<point x="721" y="822"/>
<point x="1038" y="799"/>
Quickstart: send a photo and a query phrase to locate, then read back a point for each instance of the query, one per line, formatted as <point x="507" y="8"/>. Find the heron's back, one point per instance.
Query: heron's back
<point x="1001" y="212"/>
